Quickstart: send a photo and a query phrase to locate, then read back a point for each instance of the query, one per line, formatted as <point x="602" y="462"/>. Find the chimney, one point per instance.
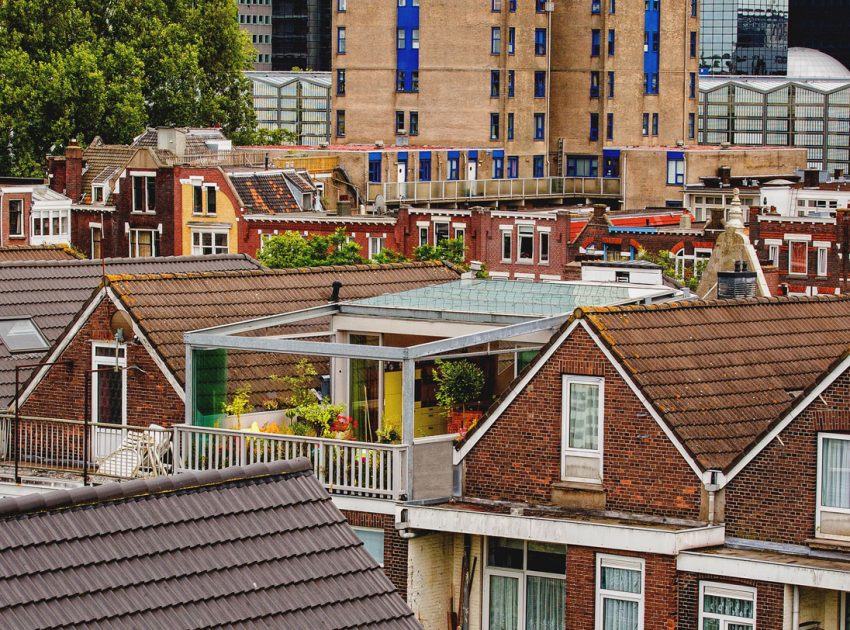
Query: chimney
<point x="73" y="170"/>
<point x="811" y="178"/>
<point x="838" y="175"/>
<point x="171" y="139"/>
<point x="725" y="175"/>
<point x="685" y="221"/>
<point x="599" y="213"/>
<point x="741" y="283"/>
<point x="335" y="287"/>
<point x="716" y="221"/>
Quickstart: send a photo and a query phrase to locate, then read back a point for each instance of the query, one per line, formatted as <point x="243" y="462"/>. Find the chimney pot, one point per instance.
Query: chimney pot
<point x="335" y="287"/>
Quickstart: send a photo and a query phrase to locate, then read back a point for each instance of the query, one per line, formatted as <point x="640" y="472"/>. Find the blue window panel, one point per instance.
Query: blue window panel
<point x="454" y="171"/>
<point x="511" y="83"/>
<point x="495" y="83"/>
<point x="692" y="85"/>
<point x="511" y="40"/>
<point x="454" y="155"/>
<point x="594" y="84"/>
<point x="610" y="163"/>
<point x="594" y="42"/>
<point x="424" y="168"/>
<point x="494" y="126"/>
<point x="540" y="41"/>
<point x="539" y="126"/>
<point x="472" y="156"/>
<point x="512" y="6"/>
<point x="498" y="167"/>
<point x="538" y="166"/>
<point x="582" y="166"/>
<point x="407" y="57"/>
<point x="513" y="167"/>
<point x="540" y="5"/>
<point x="609" y="126"/>
<point x="595" y="7"/>
<point x="495" y="40"/>
<point x="374" y="168"/>
<point x="651" y="27"/>
<point x="594" y="126"/>
<point x="510" y="131"/>
<point x="401" y="156"/>
<point x="540" y="84"/>
<point x="611" y="42"/>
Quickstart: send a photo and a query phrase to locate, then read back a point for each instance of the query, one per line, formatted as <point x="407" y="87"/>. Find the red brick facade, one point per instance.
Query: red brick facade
<point x="769" y="600"/>
<point x="395" y="547"/>
<point x="5" y="199"/>
<point x="519" y="457"/>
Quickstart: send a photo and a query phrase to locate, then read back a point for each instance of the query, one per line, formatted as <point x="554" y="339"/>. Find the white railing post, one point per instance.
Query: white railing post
<point x="176" y="448"/>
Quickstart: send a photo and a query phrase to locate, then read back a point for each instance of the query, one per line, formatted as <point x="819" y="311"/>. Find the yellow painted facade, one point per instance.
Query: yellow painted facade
<point x="222" y="221"/>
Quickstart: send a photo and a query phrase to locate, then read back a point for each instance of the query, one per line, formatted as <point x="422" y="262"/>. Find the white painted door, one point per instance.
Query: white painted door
<point x="109" y="398"/>
<point x="401" y="178"/>
<point x="471" y="177"/>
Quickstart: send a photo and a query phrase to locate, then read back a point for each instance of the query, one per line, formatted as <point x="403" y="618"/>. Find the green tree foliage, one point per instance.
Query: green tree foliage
<point x="386" y="256"/>
<point x="450" y="250"/>
<point x="291" y="249"/>
<point x="81" y="68"/>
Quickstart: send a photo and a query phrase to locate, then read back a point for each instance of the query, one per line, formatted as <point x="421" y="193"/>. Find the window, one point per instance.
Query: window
<point x="414" y="80"/>
<point x="645" y="126"/>
<point x="582" y="166"/>
<point x="513" y="167"/>
<point x="773" y="254"/>
<point x="399" y="80"/>
<point x="494" y="126"/>
<point x="511" y="77"/>
<point x="340" y="82"/>
<point x="692" y="123"/>
<point x="144" y="193"/>
<point x="414" y="38"/>
<point x="595" y="7"/>
<point x="375" y="169"/>
<point x="413" y="129"/>
<point x="540" y="84"/>
<point x="619" y="593"/>
<point x="512" y="6"/>
<point x="540" y="41"/>
<point x="594" y="84"/>
<point x="21" y="335"/>
<point x="340" y="5"/>
<point x="539" y="126"/>
<point x="109" y="389"/>
<point x="594" y="126"/>
<point x="833" y="490"/>
<point x="441" y="232"/>
<point x="675" y="171"/>
<point x="496" y="6"/>
<point x="97" y="194"/>
<point x="610" y="85"/>
<point x="655" y="124"/>
<point x="692" y="85"/>
<point x="197" y="199"/>
<point x="143" y="243"/>
<point x="400" y="39"/>
<point x="538" y="165"/>
<point x="798" y="254"/>
<point x="454" y="172"/>
<point x="495" y="83"/>
<point x="610" y="42"/>
<point x="609" y="126"/>
<point x="544" y="248"/>
<point x="49" y="226"/>
<point x="376" y="244"/>
<point x="511" y="40"/>
<point x="524" y="584"/>
<point x="525" y="242"/>
<point x="582" y="401"/>
<point x="823" y="253"/>
<point x="96" y="241"/>
<point x="340" y="123"/>
<point x="498" y="167"/>
<point x="495" y="41"/>
<point x="612" y="7"/>
<point x="694" y="8"/>
<point x="650" y="83"/>
<point x="460" y="234"/>
<point x="726" y="607"/>
<point x="424" y="169"/>
<point x="399" y="122"/>
<point x="16" y="217"/>
<point x="340" y="40"/>
<point x="594" y="42"/>
<point x="207" y="243"/>
<point x="510" y="130"/>
<point x="507" y="237"/>
<point x="211" y="199"/>
<point x="693" y="45"/>
<point x="423" y="235"/>
<point x="540" y="6"/>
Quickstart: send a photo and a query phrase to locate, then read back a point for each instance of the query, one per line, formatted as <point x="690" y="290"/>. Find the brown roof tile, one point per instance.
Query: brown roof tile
<point x="37" y="252"/>
<point x="102" y="162"/>
<point x="265" y="193"/>
<point x="721" y="373"/>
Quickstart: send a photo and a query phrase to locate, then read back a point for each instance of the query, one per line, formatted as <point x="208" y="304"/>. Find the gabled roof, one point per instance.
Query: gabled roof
<point x="300" y="179"/>
<point x="168" y="305"/>
<point x="52" y="292"/>
<point x="99" y="159"/>
<point x="721" y="373"/>
<point x="17" y="253"/>
<point x="264" y="193"/>
<point x="260" y="545"/>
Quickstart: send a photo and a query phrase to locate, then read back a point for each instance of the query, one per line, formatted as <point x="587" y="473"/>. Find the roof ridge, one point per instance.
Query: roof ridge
<point x="119" y="491"/>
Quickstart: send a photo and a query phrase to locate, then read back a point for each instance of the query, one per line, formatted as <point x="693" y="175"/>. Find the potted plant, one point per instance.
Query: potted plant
<point x="239" y="404"/>
<point x="460" y="383"/>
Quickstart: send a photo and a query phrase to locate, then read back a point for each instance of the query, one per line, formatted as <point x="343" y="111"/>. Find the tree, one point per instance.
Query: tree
<point x="291" y="249"/>
<point x="82" y="68"/>
<point x="451" y="250"/>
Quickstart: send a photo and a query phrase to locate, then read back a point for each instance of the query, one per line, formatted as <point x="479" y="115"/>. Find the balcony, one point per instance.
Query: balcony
<point x="494" y="189"/>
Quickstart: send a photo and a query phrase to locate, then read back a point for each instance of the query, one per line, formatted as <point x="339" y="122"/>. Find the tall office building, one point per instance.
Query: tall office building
<point x="301" y="34"/>
<point x="255" y="17"/>
<point x="553" y="83"/>
<point x="744" y="37"/>
<point x="822" y="25"/>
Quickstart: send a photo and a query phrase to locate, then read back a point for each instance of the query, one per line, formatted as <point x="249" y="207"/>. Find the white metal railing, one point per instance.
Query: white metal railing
<point x="342" y="466"/>
<point x="450" y="190"/>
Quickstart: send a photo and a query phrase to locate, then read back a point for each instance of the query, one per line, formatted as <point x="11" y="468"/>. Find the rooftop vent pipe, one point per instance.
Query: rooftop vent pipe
<point x="335" y="287"/>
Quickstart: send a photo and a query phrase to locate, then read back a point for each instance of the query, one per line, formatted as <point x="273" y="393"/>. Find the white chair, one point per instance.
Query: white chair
<point x="125" y="461"/>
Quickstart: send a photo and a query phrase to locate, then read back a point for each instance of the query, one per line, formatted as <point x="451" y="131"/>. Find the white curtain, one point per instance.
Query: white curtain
<point x="625" y="580"/>
<point x="728" y="606"/>
<point x="835" y="473"/>
<point x="503" y="602"/>
<point x="544" y="603"/>
<point x="584" y="415"/>
<point x="620" y="614"/>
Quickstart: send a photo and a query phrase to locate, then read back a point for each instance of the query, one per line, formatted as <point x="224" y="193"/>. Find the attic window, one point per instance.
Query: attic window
<point x="97" y="194"/>
<point x="21" y="335"/>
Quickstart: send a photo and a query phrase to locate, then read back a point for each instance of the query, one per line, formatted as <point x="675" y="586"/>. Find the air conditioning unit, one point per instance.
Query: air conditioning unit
<point x="379" y="143"/>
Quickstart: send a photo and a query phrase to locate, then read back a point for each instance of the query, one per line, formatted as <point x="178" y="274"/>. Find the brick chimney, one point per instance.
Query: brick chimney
<point x="717" y="219"/>
<point x="599" y="217"/>
<point x="73" y="170"/>
<point x="685" y="221"/>
<point x="811" y="178"/>
<point x="725" y="175"/>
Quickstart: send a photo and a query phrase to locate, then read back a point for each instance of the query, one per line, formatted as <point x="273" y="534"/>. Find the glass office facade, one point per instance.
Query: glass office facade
<point x="747" y="37"/>
<point x="299" y="102"/>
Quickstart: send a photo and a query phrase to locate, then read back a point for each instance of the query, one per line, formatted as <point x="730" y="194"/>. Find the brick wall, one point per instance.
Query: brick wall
<point x="660" y="597"/>
<point x="773" y="498"/>
<point x="61" y="394"/>
<point x="770" y="600"/>
<point x="5" y="198"/>
<point x="395" y="547"/>
<point x="519" y="457"/>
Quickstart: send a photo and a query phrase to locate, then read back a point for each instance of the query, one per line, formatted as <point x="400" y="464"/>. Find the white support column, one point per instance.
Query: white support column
<point x="408" y="396"/>
<point x="188" y="387"/>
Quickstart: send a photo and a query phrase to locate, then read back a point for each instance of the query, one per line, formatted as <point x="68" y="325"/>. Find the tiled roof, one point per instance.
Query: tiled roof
<point x="300" y="179"/>
<point x="195" y="139"/>
<point x="262" y="545"/>
<point x="53" y="292"/>
<point x="100" y="158"/>
<point x="36" y="252"/>
<point x="722" y="373"/>
<point x="167" y="306"/>
<point x="264" y="193"/>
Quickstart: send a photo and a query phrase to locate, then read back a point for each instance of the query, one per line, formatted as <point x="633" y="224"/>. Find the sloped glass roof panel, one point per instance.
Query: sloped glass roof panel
<point x="21" y="335"/>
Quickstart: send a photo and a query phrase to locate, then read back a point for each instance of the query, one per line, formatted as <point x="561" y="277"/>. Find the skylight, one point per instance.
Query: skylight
<point x="21" y="335"/>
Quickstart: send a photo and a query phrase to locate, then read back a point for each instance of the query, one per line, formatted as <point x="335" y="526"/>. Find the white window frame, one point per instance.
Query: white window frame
<point x="773" y="254"/>
<point x="819" y="507"/>
<point x="619" y="562"/>
<point x="733" y="591"/>
<point x="357" y="528"/>
<point x="545" y="236"/>
<point x="50" y="237"/>
<point x="423" y="235"/>
<point x="791" y="243"/>
<point x="197" y="250"/>
<point x="20" y="205"/>
<point x="506" y="236"/>
<point x="520" y="575"/>
<point x="94" y="193"/>
<point x="448" y="228"/>
<point x="92" y="228"/>
<point x="130" y="242"/>
<point x="566" y="449"/>
<point x="678" y="172"/>
<point x="823" y="257"/>
<point x="119" y="350"/>
<point x="524" y="231"/>
<point x="376" y="244"/>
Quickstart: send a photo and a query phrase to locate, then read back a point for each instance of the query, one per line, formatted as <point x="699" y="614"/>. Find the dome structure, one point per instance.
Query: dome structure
<point x="808" y="63"/>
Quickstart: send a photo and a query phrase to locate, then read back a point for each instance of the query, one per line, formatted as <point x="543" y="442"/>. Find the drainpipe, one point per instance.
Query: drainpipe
<point x="795" y="608"/>
<point x="712" y="485"/>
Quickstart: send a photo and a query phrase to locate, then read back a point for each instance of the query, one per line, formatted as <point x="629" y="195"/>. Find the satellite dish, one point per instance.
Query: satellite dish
<point x="121" y="327"/>
<point x="380" y="204"/>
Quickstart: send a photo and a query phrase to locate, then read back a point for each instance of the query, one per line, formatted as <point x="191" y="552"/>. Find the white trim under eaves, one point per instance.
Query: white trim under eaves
<point x="616" y="536"/>
<point x="541" y="361"/>
<point x="647" y="405"/>
<point x="791" y="572"/>
<point x="799" y="408"/>
<point x="362" y="504"/>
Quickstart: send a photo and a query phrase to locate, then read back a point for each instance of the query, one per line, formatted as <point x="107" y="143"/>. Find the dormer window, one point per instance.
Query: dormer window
<point x="97" y="194"/>
<point x="582" y="407"/>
